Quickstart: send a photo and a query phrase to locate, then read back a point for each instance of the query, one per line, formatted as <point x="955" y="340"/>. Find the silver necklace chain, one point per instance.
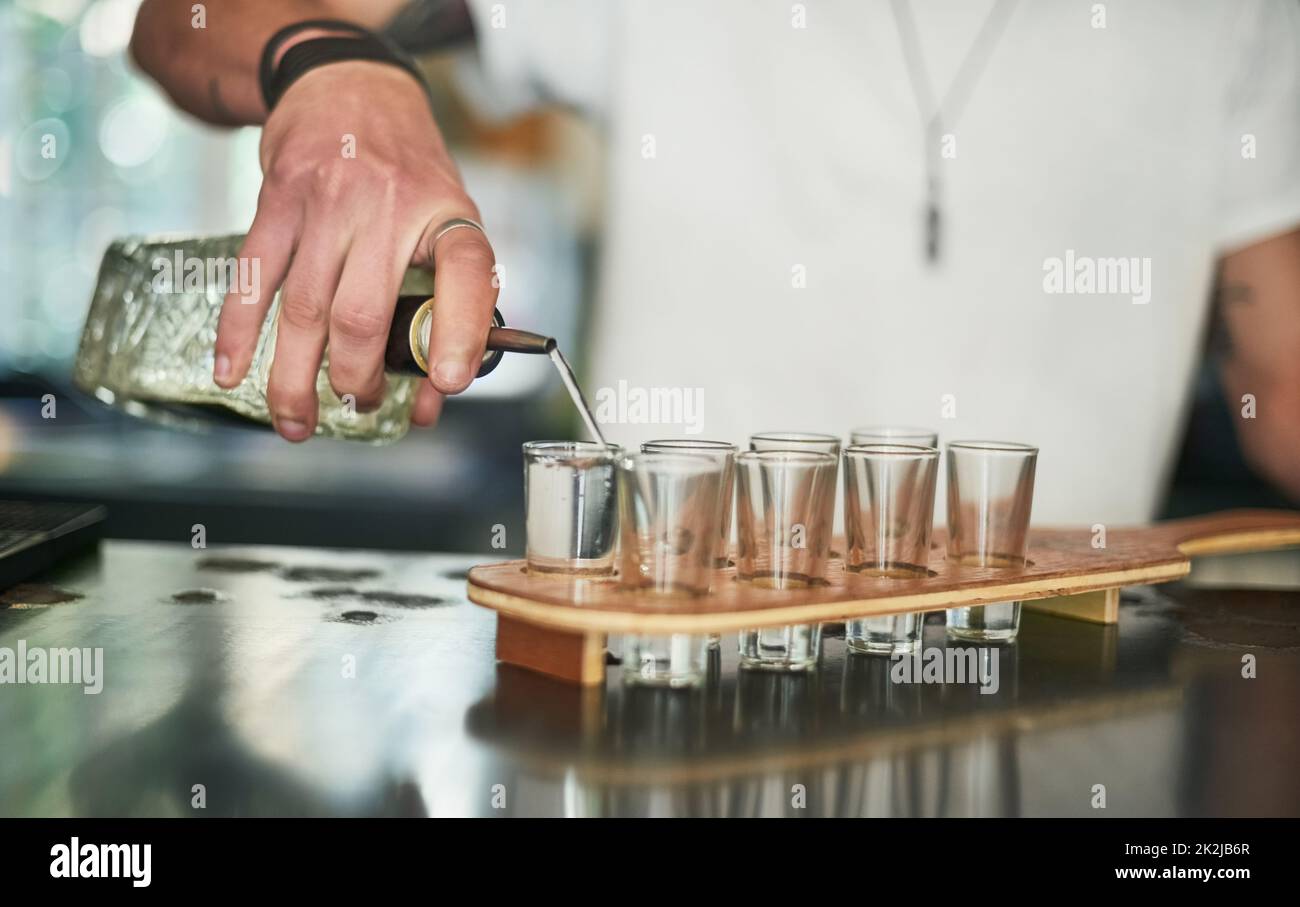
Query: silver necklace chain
<point x="934" y="115"/>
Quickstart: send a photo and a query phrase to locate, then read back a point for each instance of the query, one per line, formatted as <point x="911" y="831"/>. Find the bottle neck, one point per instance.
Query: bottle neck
<point x="407" y="352"/>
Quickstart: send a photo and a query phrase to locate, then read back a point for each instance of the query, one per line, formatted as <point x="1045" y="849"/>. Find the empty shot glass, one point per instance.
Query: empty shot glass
<point x="570" y="507"/>
<point x="990" y="495"/>
<point x="806" y="441"/>
<point x="894" y="434"/>
<point x="669" y="509"/>
<point x="784" y="511"/>
<point x="888" y="521"/>
<point x="722" y="452"/>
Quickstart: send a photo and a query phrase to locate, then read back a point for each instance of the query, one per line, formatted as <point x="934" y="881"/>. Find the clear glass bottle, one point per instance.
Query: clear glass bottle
<point x="148" y="341"/>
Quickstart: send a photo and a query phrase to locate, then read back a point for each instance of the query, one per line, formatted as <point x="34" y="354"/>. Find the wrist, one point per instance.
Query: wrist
<point x="301" y="47"/>
<point x="307" y="34"/>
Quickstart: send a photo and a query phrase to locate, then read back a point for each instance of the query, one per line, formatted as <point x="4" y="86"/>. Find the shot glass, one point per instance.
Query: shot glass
<point x="784" y="510"/>
<point x="894" y="434"/>
<point x="990" y="494"/>
<point x="570" y="507"/>
<point x="888" y="521"/>
<point x="805" y="441"/>
<point x="669" y="509"/>
<point x="724" y="453"/>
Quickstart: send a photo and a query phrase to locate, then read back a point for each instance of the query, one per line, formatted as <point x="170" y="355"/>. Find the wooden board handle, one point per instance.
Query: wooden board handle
<point x="1232" y="532"/>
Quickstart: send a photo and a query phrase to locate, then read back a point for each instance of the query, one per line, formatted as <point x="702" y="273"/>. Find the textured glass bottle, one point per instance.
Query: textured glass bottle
<point x="148" y="340"/>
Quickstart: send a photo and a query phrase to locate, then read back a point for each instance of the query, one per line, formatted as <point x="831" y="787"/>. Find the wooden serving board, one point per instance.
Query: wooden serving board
<point x="557" y="624"/>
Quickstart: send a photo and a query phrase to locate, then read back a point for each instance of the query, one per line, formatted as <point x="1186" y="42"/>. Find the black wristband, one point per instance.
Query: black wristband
<point x="305" y="56"/>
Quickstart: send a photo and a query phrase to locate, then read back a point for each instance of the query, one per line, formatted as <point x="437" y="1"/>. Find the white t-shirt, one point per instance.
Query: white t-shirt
<point x="764" y="238"/>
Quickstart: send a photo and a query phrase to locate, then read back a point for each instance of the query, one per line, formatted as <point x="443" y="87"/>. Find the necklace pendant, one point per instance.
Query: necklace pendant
<point x="932" y="231"/>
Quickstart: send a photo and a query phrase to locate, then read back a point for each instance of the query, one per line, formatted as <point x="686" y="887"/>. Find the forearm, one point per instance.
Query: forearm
<point x="1260" y="307"/>
<point x="211" y="71"/>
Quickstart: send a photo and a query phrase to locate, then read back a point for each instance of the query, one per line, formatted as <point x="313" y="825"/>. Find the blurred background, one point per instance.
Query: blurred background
<point x="128" y="163"/>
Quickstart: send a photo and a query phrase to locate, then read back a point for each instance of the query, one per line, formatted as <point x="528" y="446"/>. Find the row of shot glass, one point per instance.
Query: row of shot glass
<point x="663" y="517"/>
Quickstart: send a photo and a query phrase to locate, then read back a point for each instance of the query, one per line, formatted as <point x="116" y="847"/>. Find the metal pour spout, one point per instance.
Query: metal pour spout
<point x="513" y="340"/>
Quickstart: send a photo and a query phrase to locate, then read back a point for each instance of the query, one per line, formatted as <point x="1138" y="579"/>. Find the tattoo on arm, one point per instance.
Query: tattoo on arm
<point x="1225" y="295"/>
<point x="223" y="113"/>
<point x="1231" y="293"/>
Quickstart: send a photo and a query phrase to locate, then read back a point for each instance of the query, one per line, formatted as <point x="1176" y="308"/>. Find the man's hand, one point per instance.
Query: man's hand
<point x="335" y="232"/>
<point x="338" y="232"/>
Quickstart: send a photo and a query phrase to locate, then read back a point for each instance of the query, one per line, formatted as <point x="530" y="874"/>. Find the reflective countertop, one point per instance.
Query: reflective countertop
<point x="287" y="681"/>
